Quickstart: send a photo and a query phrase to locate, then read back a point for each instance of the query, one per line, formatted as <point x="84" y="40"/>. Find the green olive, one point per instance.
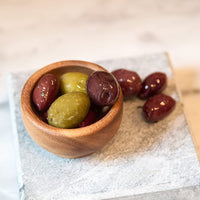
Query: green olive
<point x="69" y="110"/>
<point x="73" y="82"/>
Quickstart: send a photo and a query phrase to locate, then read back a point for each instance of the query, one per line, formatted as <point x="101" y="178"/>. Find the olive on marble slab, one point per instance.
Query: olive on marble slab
<point x="158" y="107"/>
<point x="153" y="84"/>
<point x="129" y="81"/>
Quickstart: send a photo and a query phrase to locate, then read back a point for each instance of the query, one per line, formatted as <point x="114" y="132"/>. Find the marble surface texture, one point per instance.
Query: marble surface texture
<point x="34" y="33"/>
<point x="143" y="159"/>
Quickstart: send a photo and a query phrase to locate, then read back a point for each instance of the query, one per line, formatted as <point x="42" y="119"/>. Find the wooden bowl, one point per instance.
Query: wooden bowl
<point x="69" y="143"/>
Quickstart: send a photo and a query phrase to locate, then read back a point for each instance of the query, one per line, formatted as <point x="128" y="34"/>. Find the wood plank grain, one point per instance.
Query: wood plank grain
<point x="188" y="83"/>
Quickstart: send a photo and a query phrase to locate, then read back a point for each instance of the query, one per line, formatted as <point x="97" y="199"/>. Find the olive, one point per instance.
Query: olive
<point x="69" y="110"/>
<point x="45" y="92"/>
<point x="153" y="84"/>
<point x="44" y="117"/>
<point x="73" y="82"/>
<point x="158" y="107"/>
<point x="100" y="111"/>
<point x="103" y="88"/>
<point x="129" y="81"/>
<point x="89" y="119"/>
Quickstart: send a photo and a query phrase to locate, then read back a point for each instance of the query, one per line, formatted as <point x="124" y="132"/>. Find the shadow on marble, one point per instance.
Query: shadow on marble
<point x="134" y="139"/>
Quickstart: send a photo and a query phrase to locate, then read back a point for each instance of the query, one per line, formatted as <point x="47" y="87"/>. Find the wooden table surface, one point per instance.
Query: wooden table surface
<point x="188" y="81"/>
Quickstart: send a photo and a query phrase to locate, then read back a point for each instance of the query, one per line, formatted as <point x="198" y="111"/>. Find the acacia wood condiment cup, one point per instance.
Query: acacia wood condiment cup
<point x="68" y="143"/>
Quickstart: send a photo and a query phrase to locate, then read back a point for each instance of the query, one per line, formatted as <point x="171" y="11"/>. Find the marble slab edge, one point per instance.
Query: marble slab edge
<point x="15" y="137"/>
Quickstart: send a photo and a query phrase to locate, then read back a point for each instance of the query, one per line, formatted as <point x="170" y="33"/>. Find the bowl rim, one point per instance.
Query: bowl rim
<point x="61" y="132"/>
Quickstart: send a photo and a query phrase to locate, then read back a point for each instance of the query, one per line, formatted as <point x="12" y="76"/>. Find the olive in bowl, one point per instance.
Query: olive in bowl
<point x="74" y="142"/>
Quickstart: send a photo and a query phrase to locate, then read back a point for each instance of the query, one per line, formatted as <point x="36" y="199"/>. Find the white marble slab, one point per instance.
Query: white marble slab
<point x="143" y="159"/>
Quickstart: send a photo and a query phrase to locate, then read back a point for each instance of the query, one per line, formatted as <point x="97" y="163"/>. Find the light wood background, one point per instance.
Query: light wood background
<point x="188" y="81"/>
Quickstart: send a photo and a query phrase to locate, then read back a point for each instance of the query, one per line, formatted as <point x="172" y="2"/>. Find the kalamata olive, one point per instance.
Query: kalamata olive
<point x="158" y="107"/>
<point x="103" y="88"/>
<point x="129" y="81"/>
<point x="44" y="117"/>
<point x="100" y="111"/>
<point x="153" y="84"/>
<point x="69" y="110"/>
<point x="45" y="92"/>
<point x="73" y="82"/>
<point x="103" y="111"/>
<point x="90" y="118"/>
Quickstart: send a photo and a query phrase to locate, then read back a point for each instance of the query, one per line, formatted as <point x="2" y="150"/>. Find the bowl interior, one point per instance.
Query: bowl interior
<point x="58" y="69"/>
<point x="61" y="70"/>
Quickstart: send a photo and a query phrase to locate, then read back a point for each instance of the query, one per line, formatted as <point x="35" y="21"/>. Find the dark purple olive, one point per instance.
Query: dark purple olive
<point x="158" y="107"/>
<point x="153" y="84"/>
<point x="100" y="111"/>
<point x="44" y="117"/>
<point x="45" y="92"/>
<point x="102" y="88"/>
<point x="90" y="118"/>
<point x="129" y="81"/>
